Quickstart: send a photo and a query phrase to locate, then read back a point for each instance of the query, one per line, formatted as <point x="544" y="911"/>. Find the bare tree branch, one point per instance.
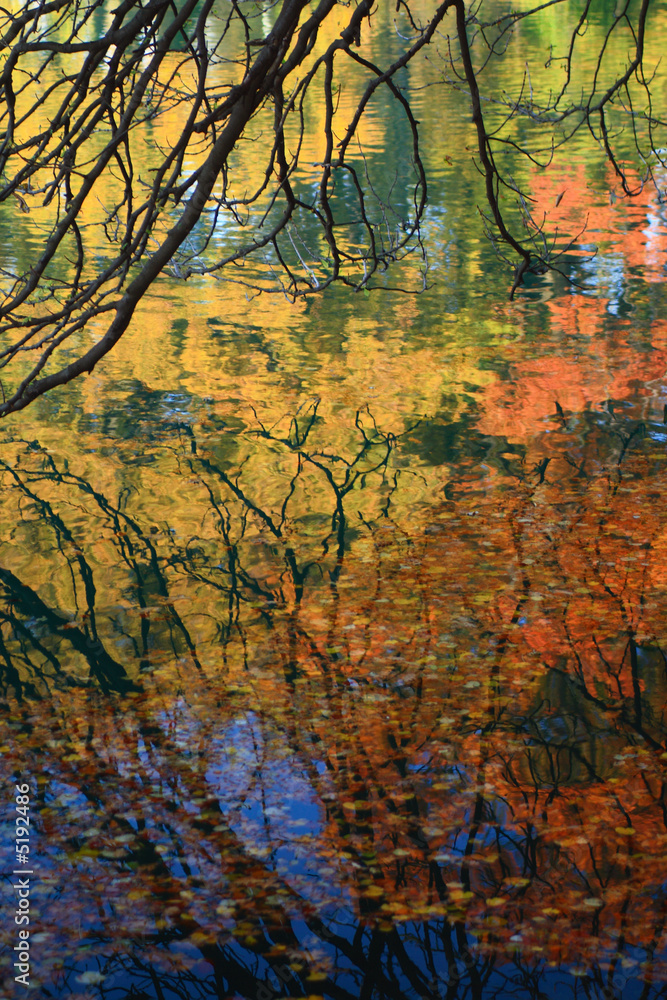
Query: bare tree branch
<point x="74" y="137"/>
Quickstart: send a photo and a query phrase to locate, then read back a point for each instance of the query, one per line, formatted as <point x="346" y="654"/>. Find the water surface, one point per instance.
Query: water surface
<point x="333" y="633"/>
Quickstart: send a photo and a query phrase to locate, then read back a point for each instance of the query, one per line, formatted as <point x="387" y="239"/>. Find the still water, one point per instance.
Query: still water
<point x="333" y="635"/>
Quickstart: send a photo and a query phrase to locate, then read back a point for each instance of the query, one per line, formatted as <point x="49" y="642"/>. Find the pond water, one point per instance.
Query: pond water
<point x="333" y="635"/>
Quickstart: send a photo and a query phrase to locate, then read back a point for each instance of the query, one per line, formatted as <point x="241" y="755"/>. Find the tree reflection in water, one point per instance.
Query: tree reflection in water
<point x="327" y="739"/>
